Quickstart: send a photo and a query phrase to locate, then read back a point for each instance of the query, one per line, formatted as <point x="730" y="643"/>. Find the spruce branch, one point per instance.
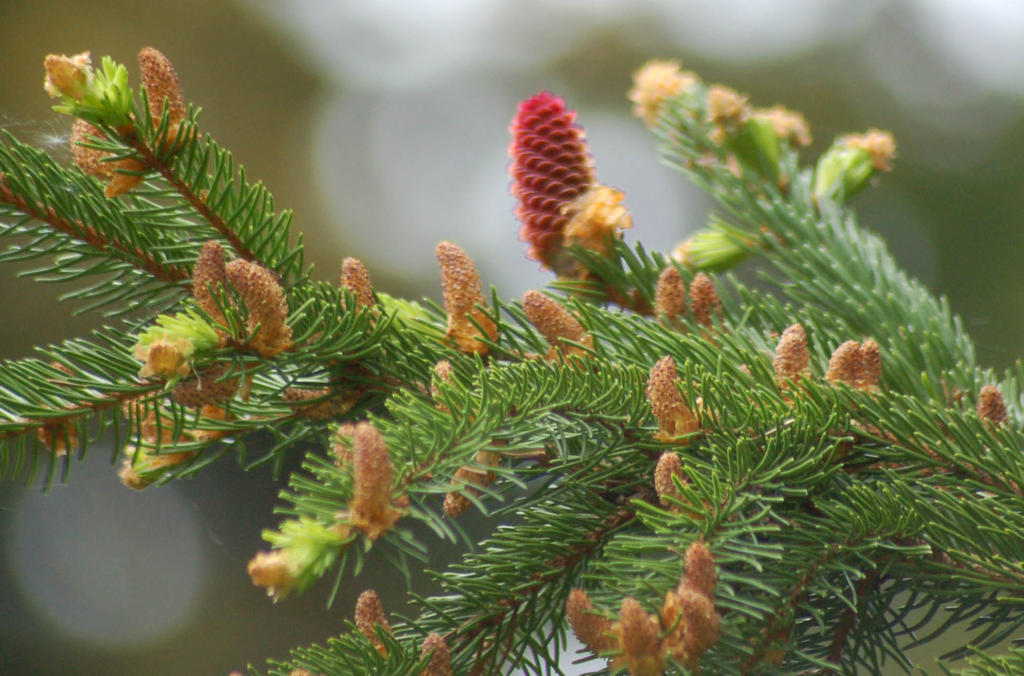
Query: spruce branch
<point x="694" y="475"/>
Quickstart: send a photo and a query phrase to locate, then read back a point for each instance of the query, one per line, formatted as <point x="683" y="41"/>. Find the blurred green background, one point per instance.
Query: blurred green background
<point x="384" y="126"/>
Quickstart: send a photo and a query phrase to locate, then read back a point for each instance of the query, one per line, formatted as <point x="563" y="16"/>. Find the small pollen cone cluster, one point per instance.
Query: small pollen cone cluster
<point x="67" y="75"/>
<point x="460" y="285"/>
<point x="369" y="616"/>
<point x="670" y="297"/>
<point x="728" y="111"/>
<point x="596" y="217"/>
<point x="676" y="422"/>
<point x="556" y="324"/>
<point x="141" y="465"/>
<point x="878" y="144"/>
<point x="274" y="571"/>
<point x="371" y="510"/>
<point x="686" y="625"/>
<point x="356" y="279"/>
<point x="160" y="82"/>
<point x="688" y="612"/>
<point x="791" y="357"/>
<point x="857" y="365"/>
<point x="259" y="290"/>
<point x="991" y="407"/>
<point x="560" y="202"/>
<point x="654" y="83"/>
<point x="440" y="663"/>
<point x="789" y="125"/>
<point x="120" y="175"/>
<point x="478" y="474"/>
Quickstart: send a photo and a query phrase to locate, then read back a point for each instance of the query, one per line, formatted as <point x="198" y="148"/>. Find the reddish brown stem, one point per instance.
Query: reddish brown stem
<point x="87" y="234"/>
<point x="152" y="161"/>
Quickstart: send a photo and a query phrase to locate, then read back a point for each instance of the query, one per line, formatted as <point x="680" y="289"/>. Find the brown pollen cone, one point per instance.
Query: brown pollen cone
<point x="555" y="323"/>
<point x="670" y="296"/>
<point x="692" y="623"/>
<point x="639" y="641"/>
<point x="991" y="407"/>
<point x="455" y="503"/>
<point x="844" y="363"/>
<point x="264" y="299"/>
<point x="593" y="630"/>
<point x="160" y="81"/>
<point x="207" y="387"/>
<point x="675" y="419"/>
<point x="356" y="278"/>
<point x="704" y="302"/>
<point x="440" y="663"/>
<point x="370" y="509"/>
<point x="460" y="285"/>
<point x="369" y="615"/>
<point x="856" y="365"/>
<point x="791" y="356"/>
<point x="209" y="272"/>
<point x="669" y="465"/>
<point x="700" y="568"/>
<point x="89" y="160"/>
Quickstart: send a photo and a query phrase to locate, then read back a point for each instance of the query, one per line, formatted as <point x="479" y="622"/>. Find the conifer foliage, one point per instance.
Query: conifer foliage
<point x="695" y="476"/>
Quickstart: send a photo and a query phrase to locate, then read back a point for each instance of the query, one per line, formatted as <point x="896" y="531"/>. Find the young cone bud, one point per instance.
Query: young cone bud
<point x="440" y="661"/>
<point x="593" y="630"/>
<point x="460" y="284"/>
<point x="370" y="509"/>
<point x="669" y="465"/>
<point x="704" y="302"/>
<point x="675" y="418"/>
<point x="670" y="296"/>
<point x="274" y="571"/>
<point x="655" y="82"/>
<point x="67" y="75"/>
<point x="356" y="278"/>
<point x="639" y="640"/>
<point x="370" y="615"/>
<point x="160" y="81"/>
<point x="265" y="301"/>
<point x="555" y="323"/>
<point x="991" y="406"/>
<point x="551" y="168"/>
<point x="791" y="356"/>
